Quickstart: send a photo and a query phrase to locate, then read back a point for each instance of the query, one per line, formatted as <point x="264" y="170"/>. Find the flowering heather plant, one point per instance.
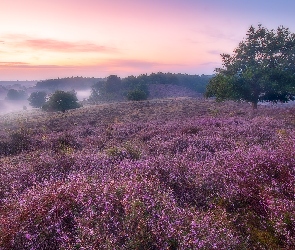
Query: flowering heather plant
<point x="166" y="174"/>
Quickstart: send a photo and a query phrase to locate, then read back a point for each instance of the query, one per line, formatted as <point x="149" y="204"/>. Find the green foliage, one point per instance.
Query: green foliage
<point x="37" y="99"/>
<point x="14" y="94"/>
<point x="113" y="84"/>
<point x="66" y="83"/>
<point x="194" y="82"/>
<point x="262" y="69"/>
<point x="109" y="90"/>
<point x="61" y="101"/>
<point x="137" y="87"/>
<point x="136" y="95"/>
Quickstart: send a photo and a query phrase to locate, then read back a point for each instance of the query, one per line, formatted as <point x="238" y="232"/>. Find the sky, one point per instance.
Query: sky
<point x="44" y="39"/>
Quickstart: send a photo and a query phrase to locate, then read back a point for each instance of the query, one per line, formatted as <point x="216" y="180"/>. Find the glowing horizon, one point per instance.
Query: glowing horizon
<point x="96" y="38"/>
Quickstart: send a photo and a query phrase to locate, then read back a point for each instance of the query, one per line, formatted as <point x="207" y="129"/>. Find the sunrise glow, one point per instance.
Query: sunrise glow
<point x="95" y="38"/>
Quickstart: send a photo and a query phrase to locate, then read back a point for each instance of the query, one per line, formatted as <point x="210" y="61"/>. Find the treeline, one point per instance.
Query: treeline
<point x="112" y="88"/>
<point x="68" y="83"/>
<point x="137" y="87"/>
<point x="194" y="82"/>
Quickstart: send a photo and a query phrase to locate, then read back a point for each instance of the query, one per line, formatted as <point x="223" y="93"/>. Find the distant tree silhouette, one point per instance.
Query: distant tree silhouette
<point x="37" y="99"/>
<point x="14" y="94"/>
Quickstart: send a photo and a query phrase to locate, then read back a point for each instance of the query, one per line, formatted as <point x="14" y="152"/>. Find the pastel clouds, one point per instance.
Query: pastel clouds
<point x="62" y="46"/>
<point x="34" y="43"/>
<point x="95" y="37"/>
<point x="121" y="67"/>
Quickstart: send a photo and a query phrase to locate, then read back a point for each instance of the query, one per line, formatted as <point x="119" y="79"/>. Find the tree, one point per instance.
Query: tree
<point x="112" y="84"/>
<point x="14" y="94"/>
<point x="110" y="89"/>
<point x="261" y="69"/>
<point x="37" y="99"/>
<point x="61" y="101"/>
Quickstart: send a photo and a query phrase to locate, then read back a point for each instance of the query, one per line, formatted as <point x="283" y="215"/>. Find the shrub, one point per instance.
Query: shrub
<point x="136" y="95"/>
<point x="61" y="101"/>
<point x="37" y="99"/>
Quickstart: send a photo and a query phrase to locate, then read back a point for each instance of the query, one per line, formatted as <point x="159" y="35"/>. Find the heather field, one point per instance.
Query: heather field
<point x="181" y="173"/>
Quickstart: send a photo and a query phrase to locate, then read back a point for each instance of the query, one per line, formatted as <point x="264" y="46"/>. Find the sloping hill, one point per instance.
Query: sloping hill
<point x="170" y="90"/>
<point x="178" y="173"/>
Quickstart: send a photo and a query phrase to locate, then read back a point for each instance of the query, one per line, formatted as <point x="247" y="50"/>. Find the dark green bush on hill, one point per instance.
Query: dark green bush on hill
<point x="136" y="95"/>
<point x="37" y="99"/>
<point x="61" y="101"/>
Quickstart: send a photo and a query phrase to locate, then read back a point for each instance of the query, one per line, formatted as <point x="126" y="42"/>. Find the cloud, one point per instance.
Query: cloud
<point x="125" y="63"/>
<point x="63" y="46"/>
<point x="214" y="34"/>
<point x="13" y="64"/>
<point x="214" y="52"/>
<point x="121" y="67"/>
<point x="27" y="65"/>
<point x="130" y="63"/>
<point x="26" y="42"/>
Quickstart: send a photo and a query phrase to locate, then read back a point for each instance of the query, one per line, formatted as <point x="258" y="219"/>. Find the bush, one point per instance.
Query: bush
<point x="37" y="99"/>
<point x="61" y="101"/>
<point x="136" y="95"/>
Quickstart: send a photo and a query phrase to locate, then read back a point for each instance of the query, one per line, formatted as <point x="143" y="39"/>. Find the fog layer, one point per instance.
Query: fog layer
<point x="8" y="106"/>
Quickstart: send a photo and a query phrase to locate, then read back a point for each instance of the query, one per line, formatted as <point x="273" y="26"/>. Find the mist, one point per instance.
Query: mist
<point x="83" y="94"/>
<point x="9" y="106"/>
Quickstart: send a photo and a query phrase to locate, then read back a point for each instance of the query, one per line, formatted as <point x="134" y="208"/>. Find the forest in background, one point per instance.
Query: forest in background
<point x="14" y="95"/>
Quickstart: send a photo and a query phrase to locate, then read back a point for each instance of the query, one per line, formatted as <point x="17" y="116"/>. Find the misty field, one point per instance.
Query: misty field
<point x="181" y="173"/>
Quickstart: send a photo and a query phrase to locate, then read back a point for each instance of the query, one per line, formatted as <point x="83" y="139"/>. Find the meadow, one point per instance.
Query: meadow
<point x="174" y="173"/>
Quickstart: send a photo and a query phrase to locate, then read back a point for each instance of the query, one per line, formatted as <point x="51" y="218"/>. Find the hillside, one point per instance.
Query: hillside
<point x="174" y="173"/>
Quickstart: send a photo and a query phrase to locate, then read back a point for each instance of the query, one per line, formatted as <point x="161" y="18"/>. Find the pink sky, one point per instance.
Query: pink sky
<point x="41" y="39"/>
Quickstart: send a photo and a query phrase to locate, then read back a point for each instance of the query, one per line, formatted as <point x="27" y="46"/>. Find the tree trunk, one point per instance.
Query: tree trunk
<point x="254" y="105"/>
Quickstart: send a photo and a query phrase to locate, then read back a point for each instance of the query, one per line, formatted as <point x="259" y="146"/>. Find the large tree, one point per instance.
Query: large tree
<point x="261" y="69"/>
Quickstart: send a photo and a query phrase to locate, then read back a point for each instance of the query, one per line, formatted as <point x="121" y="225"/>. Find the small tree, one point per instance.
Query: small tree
<point x="137" y="95"/>
<point x="262" y="69"/>
<point x="14" y="94"/>
<point x="109" y="90"/>
<point x="61" y="101"/>
<point x="37" y="99"/>
<point x="113" y="84"/>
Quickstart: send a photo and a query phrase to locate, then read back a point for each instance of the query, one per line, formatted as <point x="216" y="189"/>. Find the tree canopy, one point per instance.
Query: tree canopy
<point x="113" y="88"/>
<point x="261" y="69"/>
<point x="14" y="94"/>
<point x="37" y="99"/>
<point x="61" y="101"/>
